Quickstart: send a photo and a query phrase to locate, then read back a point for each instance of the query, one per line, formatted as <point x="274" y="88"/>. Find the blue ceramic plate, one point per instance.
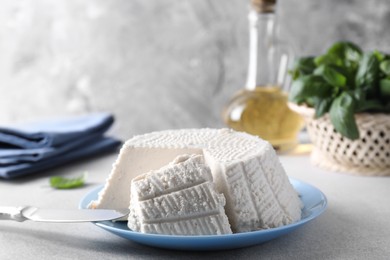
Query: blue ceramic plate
<point x="314" y="204"/>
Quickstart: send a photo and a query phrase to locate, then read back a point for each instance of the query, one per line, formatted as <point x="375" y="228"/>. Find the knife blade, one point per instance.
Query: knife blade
<point x="21" y="214"/>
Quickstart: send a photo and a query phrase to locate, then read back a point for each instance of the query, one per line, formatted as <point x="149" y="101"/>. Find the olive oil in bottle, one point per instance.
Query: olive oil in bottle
<point x="263" y="111"/>
<point x="261" y="107"/>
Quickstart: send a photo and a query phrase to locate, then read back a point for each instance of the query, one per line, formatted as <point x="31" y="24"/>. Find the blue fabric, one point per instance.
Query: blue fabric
<point x="54" y="132"/>
<point x="37" y="146"/>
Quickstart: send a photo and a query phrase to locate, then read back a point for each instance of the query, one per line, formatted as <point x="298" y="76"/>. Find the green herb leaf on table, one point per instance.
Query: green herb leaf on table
<point x="59" y="182"/>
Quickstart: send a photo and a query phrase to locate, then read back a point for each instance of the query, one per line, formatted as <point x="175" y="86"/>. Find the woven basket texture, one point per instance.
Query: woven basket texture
<point x="368" y="155"/>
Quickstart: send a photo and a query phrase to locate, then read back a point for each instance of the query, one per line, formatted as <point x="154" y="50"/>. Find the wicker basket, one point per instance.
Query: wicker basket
<point x="369" y="155"/>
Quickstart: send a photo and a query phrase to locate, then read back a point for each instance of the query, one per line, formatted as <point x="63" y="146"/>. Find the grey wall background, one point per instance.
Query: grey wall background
<point x="155" y="64"/>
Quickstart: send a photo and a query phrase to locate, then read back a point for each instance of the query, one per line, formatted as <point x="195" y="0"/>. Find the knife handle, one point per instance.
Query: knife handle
<point x="12" y="213"/>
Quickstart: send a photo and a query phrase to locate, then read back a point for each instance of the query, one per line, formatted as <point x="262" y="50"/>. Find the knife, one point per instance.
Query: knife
<point x="21" y="214"/>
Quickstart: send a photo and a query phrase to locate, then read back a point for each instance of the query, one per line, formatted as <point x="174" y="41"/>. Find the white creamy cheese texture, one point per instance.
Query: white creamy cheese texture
<point x="245" y="169"/>
<point x="178" y="199"/>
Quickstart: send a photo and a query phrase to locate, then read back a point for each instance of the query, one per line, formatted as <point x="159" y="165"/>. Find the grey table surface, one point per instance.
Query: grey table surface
<point x="355" y="225"/>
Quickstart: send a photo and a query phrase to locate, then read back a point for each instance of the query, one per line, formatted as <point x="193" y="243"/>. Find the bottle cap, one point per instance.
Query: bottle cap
<point x="263" y="6"/>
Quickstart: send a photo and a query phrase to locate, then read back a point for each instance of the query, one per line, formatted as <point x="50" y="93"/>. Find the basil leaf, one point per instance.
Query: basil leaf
<point x="303" y="66"/>
<point x="368" y="72"/>
<point x="370" y="105"/>
<point x="343" y="54"/>
<point x="327" y="59"/>
<point x="309" y="86"/>
<point x="342" y="117"/>
<point x="346" y="51"/>
<point x="59" y="182"/>
<point x="379" y="55"/>
<point x="384" y="87"/>
<point x="360" y="96"/>
<point x="385" y="67"/>
<point x="332" y="76"/>
<point x="322" y="107"/>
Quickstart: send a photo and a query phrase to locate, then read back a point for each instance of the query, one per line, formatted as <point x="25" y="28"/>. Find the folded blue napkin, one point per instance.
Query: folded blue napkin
<point x="37" y="146"/>
<point x="54" y="132"/>
<point x="105" y="144"/>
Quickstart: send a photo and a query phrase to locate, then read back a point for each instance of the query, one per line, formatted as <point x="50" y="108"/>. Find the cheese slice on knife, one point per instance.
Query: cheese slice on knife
<point x="245" y="169"/>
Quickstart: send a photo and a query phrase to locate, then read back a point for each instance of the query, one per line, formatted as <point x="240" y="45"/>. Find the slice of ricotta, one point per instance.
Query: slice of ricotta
<point x="245" y="169"/>
<point x="178" y="199"/>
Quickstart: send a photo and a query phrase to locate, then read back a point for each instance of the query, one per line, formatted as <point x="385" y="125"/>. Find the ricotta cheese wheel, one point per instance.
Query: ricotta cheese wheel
<point x="245" y="169"/>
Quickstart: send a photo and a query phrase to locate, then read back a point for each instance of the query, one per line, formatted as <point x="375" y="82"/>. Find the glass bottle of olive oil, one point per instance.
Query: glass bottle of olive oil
<point x="261" y="107"/>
